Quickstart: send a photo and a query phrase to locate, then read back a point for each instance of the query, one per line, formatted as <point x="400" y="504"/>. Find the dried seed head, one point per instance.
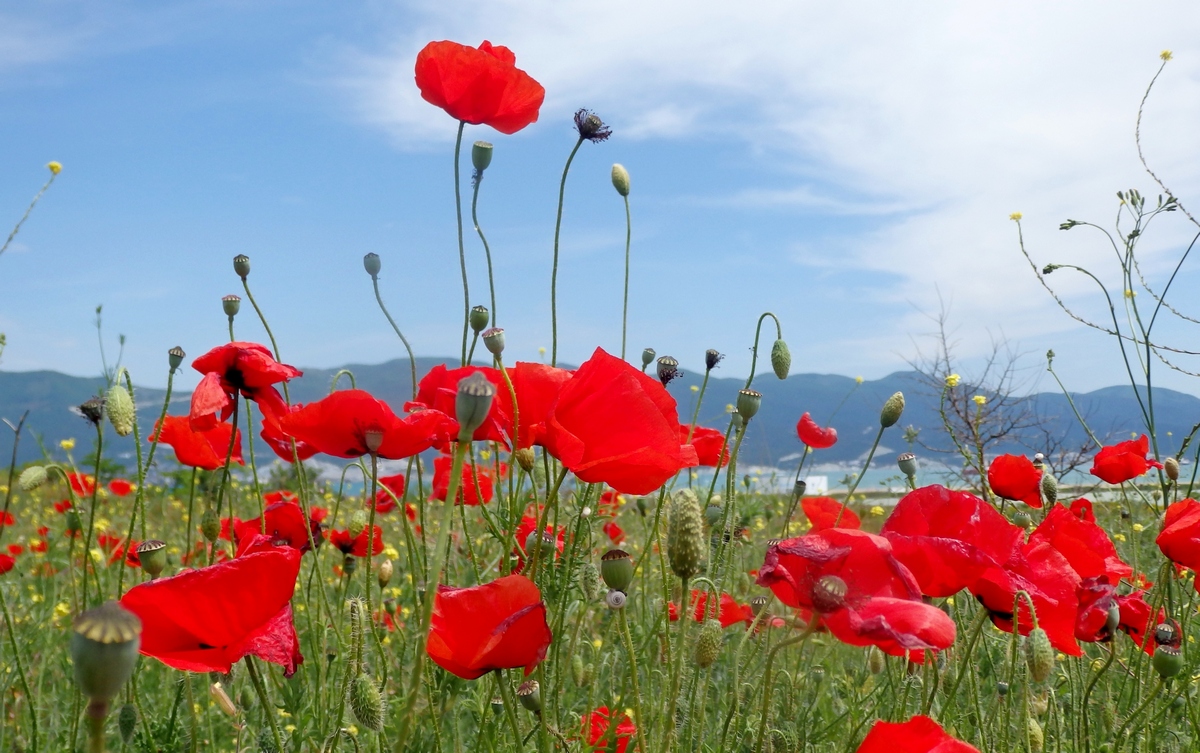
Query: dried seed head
<point x="92" y="410"/>
<point x="668" y="370"/>
<point x="829" y="594"/>
<point x="711" y="359"/>
<point x="591" y="127"/>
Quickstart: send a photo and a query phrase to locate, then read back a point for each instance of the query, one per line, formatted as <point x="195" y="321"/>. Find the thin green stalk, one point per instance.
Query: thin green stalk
<point x="769" y="679"/>
<point x="677" y="669"/>
<point x="412" y="361"/>
<point x="29" y="696"/>
<point x="140" y="494"/>
<point x="633" y="676"/>
<point x="487" y="250"/>
<point x="28" y="210"/>
<point x="265" y="702"/>
<point x="562" y="189"/>
<point x="625" y="304"/>
<point x="462" y="254"/>
<point x="87" y="544"/>
<point x="859" y="477"/>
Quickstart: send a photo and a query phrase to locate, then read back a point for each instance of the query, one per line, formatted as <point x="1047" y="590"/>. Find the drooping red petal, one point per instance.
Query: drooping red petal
<point x="709" y="443"/>
<point x="497" y="625"/>
<point x="893" y="625"/>
<point x="918" y="735"/>
<point x="1123" y="461"/>
<point x="200" y="449"/>
<point x="827" y="512"/>
<point x="1085" y="545"/>
<point x="1015" y="477"/>
<point x="813" y="435"/>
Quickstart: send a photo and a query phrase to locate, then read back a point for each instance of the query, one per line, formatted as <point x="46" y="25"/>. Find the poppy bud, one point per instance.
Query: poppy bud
<point x="641" y="505"/>
<point x="524" y="458"/>
<point x="367" y="703"/>
<point x="907" y="463"/>
<point x="615" y="599"/>
<point x="121" y="413"/>
<point x="589" y="581"/>
<point x="241" y="265"/>
<point x="349" y="565"/>
<point x="711" y="359"/>
<point x="829" y="593"/>
<point x="713" y="515"/>
<point x="1036" y="739"/>
<point x="530" y="696"/>
<point x="1049" y="488"/>
<point x="127" y="720"/>
<point x="616" y="567"/>
<point x="372" y="264"/>
<point x="1039" y="655"/>
<point x="668" y="369"/>
<point x="217" y="692"/>
<point x="104" y="648"/>
<point x="479" y="318"/>
<point x="708" y="645"/>
<point x="472" y="403"/>
<point x="892" y="410"/>
<point x="358" y="523"/>
<point x="152" y="555"/>
<point x="620" y="179"/>
<point x="1022" y="520"/>
<point x="1171" y="466"/>
<point x="385" y="573"/>
<point x="748" y="403"/>
<point x="74" y="522"/>
<point x="685" y="539"/>
<point x="875" y="660"/>
<point x="231" y="305"/>
<point x="781" y="359"/>
<point x="32" y="477"/>
<point x="647" y="357"/>
<point x="1167" y="661"/>
<point x="493" y="340"/>
<point x="210" y="525"/>
<point x="481" y="156"/>
<point x="497" y="705"/>
<point x="578" y="673"/>
<point x="175" y="357"/>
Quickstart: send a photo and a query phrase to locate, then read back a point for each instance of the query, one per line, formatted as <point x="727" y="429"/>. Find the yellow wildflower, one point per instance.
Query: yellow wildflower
<point x="1015" y="216"/>
<point x="56" y="167"/>
<point x="952" y="380"/>
<point x="67" y="445"/>
<point x="1138" y="527"/>
<point x="858" y="380"/>
<point x="876" y="510"/>
<point x="1165" y="55"/>
<point x="979" y="400"/>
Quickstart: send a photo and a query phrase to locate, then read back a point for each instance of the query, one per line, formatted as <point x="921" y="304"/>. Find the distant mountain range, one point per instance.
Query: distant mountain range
<point x="853" y="409"/>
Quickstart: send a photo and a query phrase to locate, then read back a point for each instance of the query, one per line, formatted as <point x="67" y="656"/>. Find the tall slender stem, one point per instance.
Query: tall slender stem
<point x="633" y="675"/>
<point x="562" y="190"/>
<point x="462" y="254"/>
<point x="625" y="306"/>
<point x="28" y="210"/>
<point x="412" y="361"/>
<point x="487" y="250"/>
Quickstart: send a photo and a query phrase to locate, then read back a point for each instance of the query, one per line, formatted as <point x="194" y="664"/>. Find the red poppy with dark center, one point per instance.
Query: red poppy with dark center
<point x="1085" y="545"/>
<point x="823" y="512"/>
<point x="1179" y="539"/>
<point x="479" y="85"/>
<point x="199" y="449"/>
<point x="391" y="489"/>
<point x="349" y="423"/>
<point x="616" y="425"/>
<point x="206" y="619"/>
<point x="598" y="726"/>
<point x="120" y="487"/>
<point x="1082" y="509"/>
<point x="229" y="370"/>
<point x="467" y="489"/>
<point x="709" y="445"/>
<point x="82" y="483"/>
<point x="948" y="539"/>
<point x="1015" y="477"/>
<point x="1123" y="461"/>
<point x="918" y="735"/>
<point x="1047" y="576"/>
<point x="729" y="611"/>
<point x="1135" y="619"/>
<point x="814" y="436"/>
<point x="357" y="545"/>
<point x="284" y="526"/>
<point x="497" y="625"/>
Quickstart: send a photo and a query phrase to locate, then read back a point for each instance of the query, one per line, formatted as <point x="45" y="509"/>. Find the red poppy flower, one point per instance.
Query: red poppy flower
<point x="1179" y="540"/>
<point x="479" y="85"/>
<point x="1123" y="461"/>
<point x="729" y="612"/>
<point x="62" y="506"/>
<point x="467" y="490"/>
<point x="317" y="514"/>
<point x="339" y="423"/>
<point x="918" y="735"/>
<point x="6" y="563"/>
<point x="948" y="539"/>
<point x="1135" y="619"/>
<point x="1015" y="477"/>
<point x="206" y="619"/>
<point x="230" y="369"/>
<point x="392" y="489"/>
<point x="609" y="504"/>
<point x="274" y="410"/>
<point x="598" y="728"/>
<point x="537" y="386"/>
<point x="1085" y="545"/>
<point x="39" y="546"/>
<point x="1082" y="509"/>
<point x="497" y="625"/>
<point x="43" y="531"/>
<point x="7" y="519"/>
<point x="1047" y="576"/>
<point x="199" y="449"/>
<point x="814" y="436"/>
<point x="823" y="512"/>
<point x="1096" y="598"/>
<point x="120" y="487"/>
<point x="896" y="626"/>
<point x="529" y="525"/>
<point x="285" y="526"/>
<point x="357" y="545"/>
<point x="82" y="483"/>
<point x="280" y="495"/>
<point x="616" y="425"/>
<point x="709" y="445"/>
<point x="614" y="532"/>
<point x="16" y="550"/>
<point x="130" y="553"/>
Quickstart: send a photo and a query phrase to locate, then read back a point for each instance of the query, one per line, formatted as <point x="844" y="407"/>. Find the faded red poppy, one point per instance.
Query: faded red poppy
<point x="339" y="423"/>
<point x="1179" y="539"/>
<point x="357" y="545"/>
<point x="709" y="445"/>
<point x="120" y="487"/>
<point x="823" y="512"/>
<point x="229" y="370"/>
<point x="285" y="526"/>
<point x="918" y="735"/>
<point x="949" y="538"/>
<point x="1015" y="477"/>
<point x="598" y="726"/>
<point x="392" y="488"/>
<point x="729" y="612"/>
<point x="895" y="626"/>
<point x="82" y="483"/>
<point x="814" y="436"/>
<point x="1047" y="576"/>
<point x="1123" y="461"/>
<point x="6" y="563"/>
<point x="467" y="489"/>
<point x="1085" y="545"/>
<point x="479" y="85"/>
<point x="1135" y="619"/>
<point x="614" y="532"/>
<point x="206" y="619"/>
<point x="199" y="449"/>
<point x="1082" y="509"/>
<point x="497" y="625"/>
<point x="616" y="425"/>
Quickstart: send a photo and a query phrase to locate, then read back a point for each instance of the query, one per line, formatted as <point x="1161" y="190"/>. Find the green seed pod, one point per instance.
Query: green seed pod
<point x="349" y="565"/>
<point x="620" y="179"/>
<point x="481" y="155"/>
<point x="616" y="567"/>
<point x="1167" y="661"/>
<point x="1002" y="688"/>
<point x="175" y="357"/>
<point x="231" y="305"/>
<point x="708" y="645"/>
<point x="1022" y="519"/>
<point x="210" y="525"/>
<point x="121" y="412"/>
<point x="875" y="661"/>
<point x="497" y="705"/>
<point x="74" y="521"/>
<point x="372" y="263"/>
<point x="907" y="463"/>
<point x="1049" y="488"/>
<point x="589" y="581"/>
<point x="712" y="515"/>
<point x="530" y="696"/>
<point x="241" y="265"/>
<point x="358" y="523"/>
<point x="647" y="357"/>
<point x="493" y="340"/>
<point x="367" y="702"/>
<point x="1037" y="740"/>
<point x="781" y="359"/>
<point x="479" y="318"/>
<point x="1039" y="655"/>
<point x="829" y="594"/>
<point x="127" y="721"/>
<point x="152" y="555"/>
<point x="32" y="477"/>
<point x="892" y="410"/>
<point x="577" y="672"/>
<point x="104" y="647"/>
<point x="472" y="403"/>
<point x="685" y="535"/>
<point x="1171" y="466"/>
<point x="748" y="403"/>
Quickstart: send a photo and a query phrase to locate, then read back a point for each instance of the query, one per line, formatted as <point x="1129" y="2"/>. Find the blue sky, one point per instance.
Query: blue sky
<point x="846" y="168"/>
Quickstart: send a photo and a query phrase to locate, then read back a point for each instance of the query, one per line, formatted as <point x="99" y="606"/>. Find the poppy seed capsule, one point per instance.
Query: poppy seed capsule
<point x="685" y="535"/>
<point x="708" y="645"/>
<point x="711" y="359"/>
<point x="479" y="318"/>
<point x="372" y="263"/>
<point x="1022" y="520"/>
<point x="781" y="359"/>
<point x="481" y="155"/>
<point x="104" y="648"/>
<point x="121" y="413"/>
<point x="547" y="544"/>
<point x="175" y="357"/>
<point x="620" y="179"/>
<point x="615" y="599"/>
<point x="616" y="568"/>
<point x="1171" y="466"/>
<point x="367" y="703"/>
<point x="152" y="556"/>
<point x="748" y="403"/>
<point x="1049" y="488"/>
<point x="590" y="126"/>
<point x="32" y="477"/>
<point x="385" y="573"/>
<point x="758" y="604"/>
<point x="907" y="463"/>
<point x="241" y="265"/>
<point x="530" y="696"/>
<point x="647" y="357"/>
<point x="497" y="705"/>
<point x="668" y="369"/>
<point x="231" y="305"/>
<point x="829" y="594"/>
<point x="1039" y="655"/>
<point x="210" y="525"/>
<point x="493" y="340"/>
<point x="1167" y="661"/>
<point x="524" y="458"/>
<point x="892" y="410"/>
<point x="472" y="403"/>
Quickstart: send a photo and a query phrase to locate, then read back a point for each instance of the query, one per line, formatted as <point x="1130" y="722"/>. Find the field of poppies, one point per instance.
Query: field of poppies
<point x="550" y="573"/>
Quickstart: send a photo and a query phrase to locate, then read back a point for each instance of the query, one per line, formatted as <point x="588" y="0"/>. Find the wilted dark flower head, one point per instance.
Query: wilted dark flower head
<point x="711" y="359"/>
<point x="668" y="369"/>
<point x="92" y="410"/>
<point x="590" y="126"/>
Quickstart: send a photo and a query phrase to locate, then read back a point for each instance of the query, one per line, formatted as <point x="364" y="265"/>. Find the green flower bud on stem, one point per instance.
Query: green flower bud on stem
<point x="620" y="179"/>
<point x="358" y="523"/>
<point x="685" y="536"/>
<point x="210" y="525"/>
<point x="121" y="413"/>
<point x="1049" y="488"/>
<point x="1040" y="655"/>
<point x="367" y="702"/>
<point x="1171" y="466"/>
<point x="892" y="410"/>
<point x="1037" y="740"/>
<point x="708" y="644"/>
<point x="32" y="477"/>
<point x="781" y="359"/>
<point x="525" y="458"/>
<point x="385" y="573"/>
<point x="875" y="660"/>
<point x="127" y="720"/>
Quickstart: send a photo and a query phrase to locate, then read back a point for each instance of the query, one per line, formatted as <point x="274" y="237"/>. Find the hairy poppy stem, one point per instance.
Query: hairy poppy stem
<point x="859" y="477"/>
<point x="20" y="668"/>
<point x="769" y="678"/>
<point x="487" y="250"/>
<point x="462" y="254"/>
<point x="562" y="190"/>
<point x="139" y="508"/>
<point x="625" y="306"/>
<point x="87" y="543"/>
<point x="265" y="702"/>
<point x="412" y="361"/>
<point x="633" y="676"/>
<point x="754" y="350"/>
